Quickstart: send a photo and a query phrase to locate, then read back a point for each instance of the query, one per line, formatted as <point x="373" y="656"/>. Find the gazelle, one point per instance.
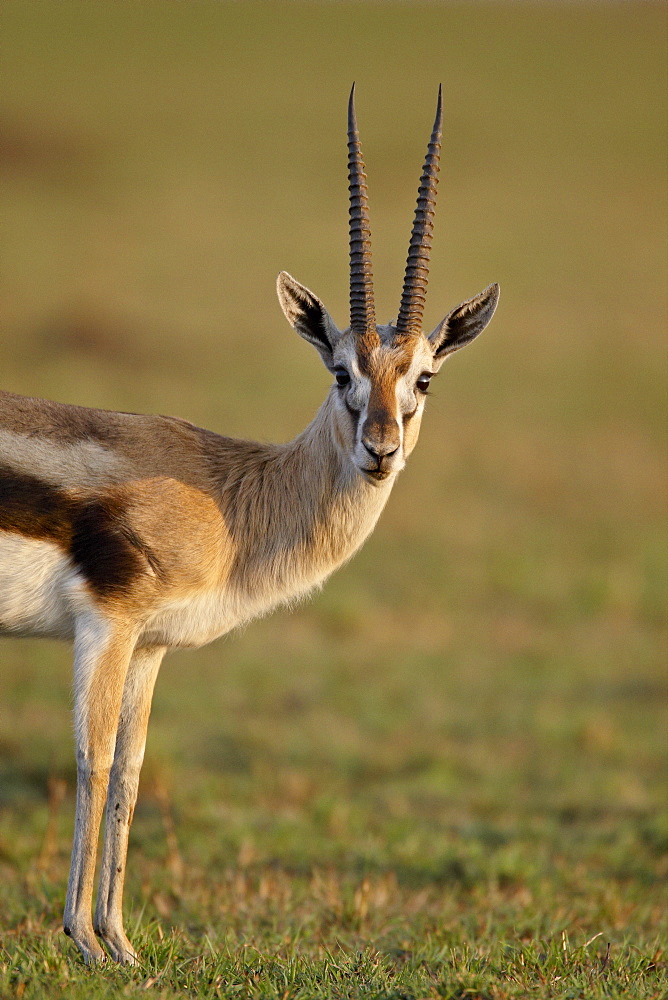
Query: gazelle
<point x="132" y="535"/>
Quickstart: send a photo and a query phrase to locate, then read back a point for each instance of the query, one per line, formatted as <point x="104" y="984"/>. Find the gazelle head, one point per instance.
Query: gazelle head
<point x="382" y="372"/>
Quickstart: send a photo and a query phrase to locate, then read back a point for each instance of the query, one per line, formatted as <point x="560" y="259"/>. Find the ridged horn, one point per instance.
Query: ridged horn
<point x="409" y="321"/>
<point x="362" y="311"/>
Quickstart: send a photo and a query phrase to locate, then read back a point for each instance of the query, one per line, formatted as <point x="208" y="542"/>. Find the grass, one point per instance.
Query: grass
<point x="445" y="776"/>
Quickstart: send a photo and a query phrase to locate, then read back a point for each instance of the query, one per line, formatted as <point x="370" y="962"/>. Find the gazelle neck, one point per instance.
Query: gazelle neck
<point x="298" y="511"/>
<point x="340" y="497"/>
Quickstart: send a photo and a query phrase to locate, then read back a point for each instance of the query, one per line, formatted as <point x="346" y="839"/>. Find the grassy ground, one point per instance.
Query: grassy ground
<point x="446" y="775"/>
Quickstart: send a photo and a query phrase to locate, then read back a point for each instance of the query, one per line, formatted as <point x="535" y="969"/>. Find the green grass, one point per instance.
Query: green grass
<point x="445" y="776"/>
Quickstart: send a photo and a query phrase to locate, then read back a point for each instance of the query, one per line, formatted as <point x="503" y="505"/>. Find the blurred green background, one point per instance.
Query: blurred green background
<point x="486" y="681"/>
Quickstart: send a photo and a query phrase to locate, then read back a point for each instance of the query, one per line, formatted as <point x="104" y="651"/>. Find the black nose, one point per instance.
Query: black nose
<point x="378" y="450"/>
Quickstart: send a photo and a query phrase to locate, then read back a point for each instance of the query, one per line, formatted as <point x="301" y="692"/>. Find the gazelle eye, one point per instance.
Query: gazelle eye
<point x="423" y="382"/>
<point x="342" y="376"/>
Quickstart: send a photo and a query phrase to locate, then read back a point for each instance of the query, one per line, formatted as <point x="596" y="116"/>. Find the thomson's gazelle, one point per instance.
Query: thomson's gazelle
<point x="132" y="535"/>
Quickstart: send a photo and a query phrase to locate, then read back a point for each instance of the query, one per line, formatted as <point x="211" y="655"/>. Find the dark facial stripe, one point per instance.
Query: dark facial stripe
<point x="407" y="416"/>
<point x="94" y="533"/>
<point x="355" y="414"/>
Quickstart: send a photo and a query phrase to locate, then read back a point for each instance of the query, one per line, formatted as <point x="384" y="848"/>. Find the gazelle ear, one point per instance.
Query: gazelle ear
<point x="464" y="323"/>
<point x="307" y="315"/>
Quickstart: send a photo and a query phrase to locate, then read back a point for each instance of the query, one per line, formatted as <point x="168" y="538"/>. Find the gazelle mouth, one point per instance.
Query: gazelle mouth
<point x="376" y="475"/>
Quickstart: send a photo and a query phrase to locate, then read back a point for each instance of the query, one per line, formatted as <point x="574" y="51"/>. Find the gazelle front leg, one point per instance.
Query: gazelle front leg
<point x="102" y="652"/>
<point x="121" y="799"/>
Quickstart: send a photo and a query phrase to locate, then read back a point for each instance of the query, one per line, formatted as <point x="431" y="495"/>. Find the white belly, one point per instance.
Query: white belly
<point x="34" y="580"/>
<point x="41" y="593"/>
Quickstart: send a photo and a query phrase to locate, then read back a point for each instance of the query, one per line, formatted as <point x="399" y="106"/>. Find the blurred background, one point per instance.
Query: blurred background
<point x="492" y="666"/>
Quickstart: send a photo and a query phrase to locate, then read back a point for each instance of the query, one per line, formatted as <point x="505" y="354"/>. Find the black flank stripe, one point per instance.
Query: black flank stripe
<point x="108" y="552"/>
<point x="94" y="533"/>
<point x="34" y="508"/>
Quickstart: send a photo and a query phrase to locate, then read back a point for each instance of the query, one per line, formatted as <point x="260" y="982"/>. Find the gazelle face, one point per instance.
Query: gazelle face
<point x="379" y="393"/>
<point x="381" y="379"/>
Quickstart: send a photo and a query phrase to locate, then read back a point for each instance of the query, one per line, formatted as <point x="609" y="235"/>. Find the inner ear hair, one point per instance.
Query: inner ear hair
<point x="464" y="323"/>
<point x="313" y="321"/>
<point x="304" y="311"/>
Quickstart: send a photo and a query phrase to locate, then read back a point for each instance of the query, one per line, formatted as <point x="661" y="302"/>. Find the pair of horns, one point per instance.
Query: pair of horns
<point x="362" y="310"/>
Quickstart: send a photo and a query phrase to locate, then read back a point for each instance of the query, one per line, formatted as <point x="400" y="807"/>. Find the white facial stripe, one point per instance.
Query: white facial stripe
<point x="359" y="393"/>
